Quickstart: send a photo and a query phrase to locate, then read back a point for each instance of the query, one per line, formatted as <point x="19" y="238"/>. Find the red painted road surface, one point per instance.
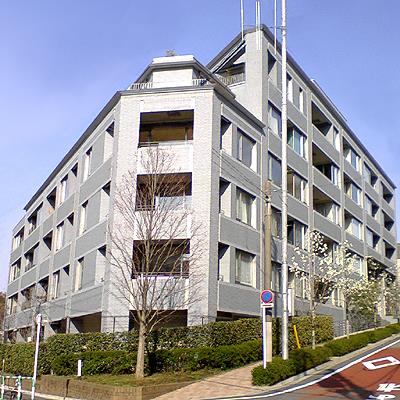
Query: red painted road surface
<point x="364" y="380"/>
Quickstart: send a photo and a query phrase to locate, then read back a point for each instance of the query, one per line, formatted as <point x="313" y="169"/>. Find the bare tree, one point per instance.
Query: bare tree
<point x="155" y="243"/>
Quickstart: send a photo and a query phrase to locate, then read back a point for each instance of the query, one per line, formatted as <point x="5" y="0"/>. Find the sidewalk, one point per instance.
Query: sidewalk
<point x="238" y="382"/>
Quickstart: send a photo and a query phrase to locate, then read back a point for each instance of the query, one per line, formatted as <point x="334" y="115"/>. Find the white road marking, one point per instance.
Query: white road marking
<point x="390" y="362"/>
<point x="293" y="389"/>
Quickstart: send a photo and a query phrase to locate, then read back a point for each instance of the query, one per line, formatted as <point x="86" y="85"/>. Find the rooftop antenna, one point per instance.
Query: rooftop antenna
<point x="242" y="19"/>
<point x="275" y="24"/>
<point x="258" y="24"/>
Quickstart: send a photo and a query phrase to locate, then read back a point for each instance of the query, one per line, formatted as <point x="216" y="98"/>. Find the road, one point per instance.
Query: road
<point x="370" y="376"/>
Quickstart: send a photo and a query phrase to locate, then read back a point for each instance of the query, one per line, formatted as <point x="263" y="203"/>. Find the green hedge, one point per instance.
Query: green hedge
<point x="300" y="360"/>
<point x="95" y="362"/>
<point x="119" y="362"/>
<point x="19" y="357"/>
<point x="303" y="359"/>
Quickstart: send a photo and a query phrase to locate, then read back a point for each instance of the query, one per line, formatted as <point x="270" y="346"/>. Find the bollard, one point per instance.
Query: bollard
<point x="2" y="387"/>
<point x="79" y="368"/>
<point x="19" y="396"/>
<point x="33" y="388"/>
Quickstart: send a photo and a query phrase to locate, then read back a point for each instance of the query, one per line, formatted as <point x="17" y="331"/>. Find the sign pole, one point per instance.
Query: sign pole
<point x="267" y="302"/>
<point x="35" y="365"/>
<point x="265" y="335"/>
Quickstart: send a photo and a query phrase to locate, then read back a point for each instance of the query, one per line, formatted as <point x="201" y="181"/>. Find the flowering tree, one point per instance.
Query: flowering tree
<point x="323" y="271"/>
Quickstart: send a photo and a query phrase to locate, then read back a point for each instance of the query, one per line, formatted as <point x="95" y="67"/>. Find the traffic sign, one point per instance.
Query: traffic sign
<point x="267" y="298"/>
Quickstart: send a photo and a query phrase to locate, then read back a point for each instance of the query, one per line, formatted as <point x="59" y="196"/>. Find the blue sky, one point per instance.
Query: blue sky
<point x="62" y="60"/>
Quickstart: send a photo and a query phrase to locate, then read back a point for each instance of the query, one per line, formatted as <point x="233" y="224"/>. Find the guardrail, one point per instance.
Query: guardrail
<point x="15" y="391"/>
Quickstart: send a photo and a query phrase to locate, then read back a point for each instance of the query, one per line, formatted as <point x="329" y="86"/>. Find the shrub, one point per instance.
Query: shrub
<point x="300" y="360"/>
<point x="221" y="357"/>
<point x="95" y="362"/>
<point x="303" y="359"/>
<point x="19" y="357"/>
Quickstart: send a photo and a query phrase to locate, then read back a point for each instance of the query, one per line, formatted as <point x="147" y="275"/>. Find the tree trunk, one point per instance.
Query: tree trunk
<point x="313" y="329"/>
<point x="140" y="351"/>
<point x="347" y="322"/>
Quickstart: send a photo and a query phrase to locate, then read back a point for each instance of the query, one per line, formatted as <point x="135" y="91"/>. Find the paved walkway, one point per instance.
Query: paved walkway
<point x="232" y="383"/>
<point x="238" y="382"/>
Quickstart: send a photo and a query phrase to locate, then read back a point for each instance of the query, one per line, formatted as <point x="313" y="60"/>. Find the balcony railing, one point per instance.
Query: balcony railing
<point x="150" y="85"/>
<point x="168" y="203"/>
<point x="232" y="79"/>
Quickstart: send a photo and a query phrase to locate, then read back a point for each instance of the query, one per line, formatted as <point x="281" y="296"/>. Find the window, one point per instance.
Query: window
<point x="296" y="232"/>
<point x="87" y="161"/>
<point x="245" y="273"/>
<point x="357" y="264"/>
<point x="353" y="192"/>
<point x="337" y="298"/>
<point x="17" y="239"/>
<point x="296" y="186"/>
<point x="336" y="139"/>
<point x="290" y="88"/>
<point x="334" y="214"/>
<point x="331" y="171"/>
<point x="274" y="170"/>
<point x="60" y="236"/>
<point x="33" y="220"/>
<point x="297" y="141"/>
<point x="15" y="271"/>
<point x="370" y="207"/>
<point x="274" y="120"/>
<point x="28" y="295"/>
<point x="83" y="218"/>
<point x="369" y="176"/>
<point x="30" y="258"/>
<point x="245" y="149"/>
<point x="301" y="100"/>
<point x="272" y="69"/>
<point x="56" y="285"/>
<point x="353" y="158"/>
<point x="354" y="226"/>
<point x="276" y="277"/>
<point x="330" y="211"/>
<point x="63" y="190"/>
<point x="12" y="304"/>
<point x="276" y="223"/>
<point x="244" y="205"/>
<point x="51" y="200"/>
<point x="79" y="274"/>
<point x="369" y="237"/>
<point x="302" y="287"/>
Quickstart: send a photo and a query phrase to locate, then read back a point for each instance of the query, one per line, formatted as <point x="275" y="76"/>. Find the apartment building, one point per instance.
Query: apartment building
<point x="222" y="124"/>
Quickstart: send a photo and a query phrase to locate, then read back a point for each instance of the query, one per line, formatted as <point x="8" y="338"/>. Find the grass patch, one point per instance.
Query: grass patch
<point x="151" y="380"/>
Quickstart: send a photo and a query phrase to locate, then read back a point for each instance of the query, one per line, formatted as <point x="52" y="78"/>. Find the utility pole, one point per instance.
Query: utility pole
<point x="35" y="365"/>
<point x="285" y="272"/>
<point x="268" y="264"/>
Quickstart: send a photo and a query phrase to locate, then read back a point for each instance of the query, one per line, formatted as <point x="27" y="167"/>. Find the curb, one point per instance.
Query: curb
<point x="328" y="365"/>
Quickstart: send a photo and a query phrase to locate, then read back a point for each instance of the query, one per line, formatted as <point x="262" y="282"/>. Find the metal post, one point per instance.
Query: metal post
<point x="267" y="268"/>
<point x="242" y="19"/>
<point x="285" y="272"/>
<point x="265" y="335"/>
<point x="19" y="395"/>
<point x="35" y="365"/>
<point x="79" y="368"/>
<point x="2" y="387"/>
<point x="275" y="24"/>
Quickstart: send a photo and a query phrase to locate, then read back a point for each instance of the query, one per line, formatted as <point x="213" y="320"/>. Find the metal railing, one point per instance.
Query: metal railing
<point x="231" y="80"/>
<point x="141" y="86"/>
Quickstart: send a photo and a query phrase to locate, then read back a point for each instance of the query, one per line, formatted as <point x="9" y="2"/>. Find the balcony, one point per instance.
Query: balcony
<point x="142" y="86"/>
<point x="232" y="75"/>
<point x="166" y="136"/>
